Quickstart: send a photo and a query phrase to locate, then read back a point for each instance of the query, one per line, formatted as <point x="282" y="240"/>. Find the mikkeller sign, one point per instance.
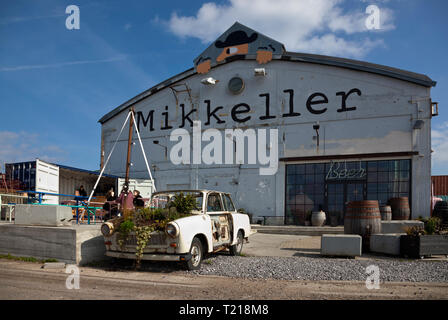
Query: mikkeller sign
<point x="236" y="42"/>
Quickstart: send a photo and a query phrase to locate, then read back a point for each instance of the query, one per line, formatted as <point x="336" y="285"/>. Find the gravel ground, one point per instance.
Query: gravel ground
<point x="305" y="268"/>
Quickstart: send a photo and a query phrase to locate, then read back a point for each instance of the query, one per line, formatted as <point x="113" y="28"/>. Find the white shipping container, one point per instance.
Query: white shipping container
<point x="47" y="180"/>
<point x="144" y="186"/>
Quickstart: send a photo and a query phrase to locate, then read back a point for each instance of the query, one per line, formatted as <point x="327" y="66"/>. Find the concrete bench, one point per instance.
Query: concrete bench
<point x="399" y="226"/>
<point x="347" y="245"/>
<point x="388" y="243"/>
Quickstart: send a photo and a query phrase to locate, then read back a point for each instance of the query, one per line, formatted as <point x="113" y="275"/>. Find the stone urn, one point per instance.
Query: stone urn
<point x="318" y="218"/>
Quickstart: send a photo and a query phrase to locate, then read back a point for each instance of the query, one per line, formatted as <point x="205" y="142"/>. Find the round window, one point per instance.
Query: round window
<point x="236" y="85"/>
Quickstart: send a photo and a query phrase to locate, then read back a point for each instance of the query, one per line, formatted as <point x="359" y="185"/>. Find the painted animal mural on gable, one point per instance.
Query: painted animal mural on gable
<point x="238" y="40"/>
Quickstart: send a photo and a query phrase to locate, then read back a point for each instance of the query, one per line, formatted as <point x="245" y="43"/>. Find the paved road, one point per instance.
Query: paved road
<point x="24" y="280"/>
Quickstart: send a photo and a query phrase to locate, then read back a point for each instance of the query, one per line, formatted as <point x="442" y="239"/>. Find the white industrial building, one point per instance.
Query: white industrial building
<point x="347" y="130"/>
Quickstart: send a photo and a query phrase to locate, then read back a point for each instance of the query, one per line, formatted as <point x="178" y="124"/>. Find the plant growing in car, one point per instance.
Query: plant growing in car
<point x="184" y="204"/>
<point x="142" y="234"/>
<point x="143" y="222"/>
<point x="123" y="231"/>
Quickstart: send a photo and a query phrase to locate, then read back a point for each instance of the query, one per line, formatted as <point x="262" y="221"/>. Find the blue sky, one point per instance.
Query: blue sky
<point x="56" y="83"/>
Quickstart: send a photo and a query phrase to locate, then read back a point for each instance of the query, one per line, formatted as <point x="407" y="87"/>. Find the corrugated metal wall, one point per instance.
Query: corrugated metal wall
<point x="440" y="185"/>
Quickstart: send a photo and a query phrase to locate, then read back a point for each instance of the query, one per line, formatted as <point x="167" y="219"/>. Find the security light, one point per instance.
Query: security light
<point x="260" y="71"/>
<point x="209" y="81"/>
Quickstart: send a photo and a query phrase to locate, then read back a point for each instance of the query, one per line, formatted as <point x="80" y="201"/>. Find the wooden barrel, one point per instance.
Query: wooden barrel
<point x="400" y="208"/>
<point x="386" y="213"/>
<point x="363" y="218"/>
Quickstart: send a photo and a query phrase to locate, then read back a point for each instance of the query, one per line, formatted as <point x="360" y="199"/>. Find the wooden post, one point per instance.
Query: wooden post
<point x="128" y="159"/>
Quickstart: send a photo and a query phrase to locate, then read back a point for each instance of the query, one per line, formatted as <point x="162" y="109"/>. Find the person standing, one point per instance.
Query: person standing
<point x="125" y="199"/>
<point x="110" y="206"/>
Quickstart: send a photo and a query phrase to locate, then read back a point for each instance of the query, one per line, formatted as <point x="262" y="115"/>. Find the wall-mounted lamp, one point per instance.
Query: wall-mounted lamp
<point x="260" y="71"/>
<point x="419" y="124"/>
<point x="434" y="109"/>
<point x="209" y="81"/>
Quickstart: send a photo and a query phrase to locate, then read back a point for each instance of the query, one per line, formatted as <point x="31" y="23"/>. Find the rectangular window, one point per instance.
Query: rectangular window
<point x="333" y="184"/>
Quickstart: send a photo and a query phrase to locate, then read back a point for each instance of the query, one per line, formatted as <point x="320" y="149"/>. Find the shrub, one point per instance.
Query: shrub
<point x="415" y="231"/>
<point x="432" y="225"/>
<point x="126" y="226"/>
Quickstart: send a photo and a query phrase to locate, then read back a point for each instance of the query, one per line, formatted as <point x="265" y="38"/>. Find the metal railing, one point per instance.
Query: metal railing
<point x="8" y="203"/>
<point x="79" y="206"/>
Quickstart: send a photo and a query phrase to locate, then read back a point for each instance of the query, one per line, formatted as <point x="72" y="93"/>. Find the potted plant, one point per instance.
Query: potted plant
<point x="420" y="242"/>
<point x="334" y="219"/>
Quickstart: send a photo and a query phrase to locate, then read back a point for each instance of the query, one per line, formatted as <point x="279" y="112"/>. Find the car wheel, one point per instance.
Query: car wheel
<point x="236" y="249"/>
<point x="196" y="255"/>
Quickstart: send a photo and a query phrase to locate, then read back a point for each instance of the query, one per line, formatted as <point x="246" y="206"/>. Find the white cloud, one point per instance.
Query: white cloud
<point x="25" y="146"/>
<point x="61" y="64"/>
<point x="316" y="26"/>
<point x="439" y="143"/>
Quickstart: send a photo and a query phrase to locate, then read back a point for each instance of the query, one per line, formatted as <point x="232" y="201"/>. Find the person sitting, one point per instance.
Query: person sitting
<point x="109" y="205"/>
<point x="82" y="191"/>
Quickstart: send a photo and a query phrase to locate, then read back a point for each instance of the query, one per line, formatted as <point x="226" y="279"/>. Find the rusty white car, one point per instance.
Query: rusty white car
<point x="215" y="225"/>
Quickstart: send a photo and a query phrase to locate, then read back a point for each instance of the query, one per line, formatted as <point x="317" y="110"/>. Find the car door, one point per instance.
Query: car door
<point x="220" y="220"/>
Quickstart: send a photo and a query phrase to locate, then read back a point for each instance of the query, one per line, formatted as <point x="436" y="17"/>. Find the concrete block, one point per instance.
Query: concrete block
<point x="347" y="245"/>
<point x="53" y="265"/>
<point x="43" y="215"/>
<point x="73" y="245"/>
<point x="89" y="244"/>
<point x="399" y="226"/>
<point x="386" y="243"/>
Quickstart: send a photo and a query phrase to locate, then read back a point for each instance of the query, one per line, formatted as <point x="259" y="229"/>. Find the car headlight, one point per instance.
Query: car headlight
<point x="107" y="229"/>
<point x="172" y="230"/>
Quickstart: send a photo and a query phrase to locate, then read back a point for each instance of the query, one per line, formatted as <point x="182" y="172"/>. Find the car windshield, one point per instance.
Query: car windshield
<point x="160" y="201"/>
